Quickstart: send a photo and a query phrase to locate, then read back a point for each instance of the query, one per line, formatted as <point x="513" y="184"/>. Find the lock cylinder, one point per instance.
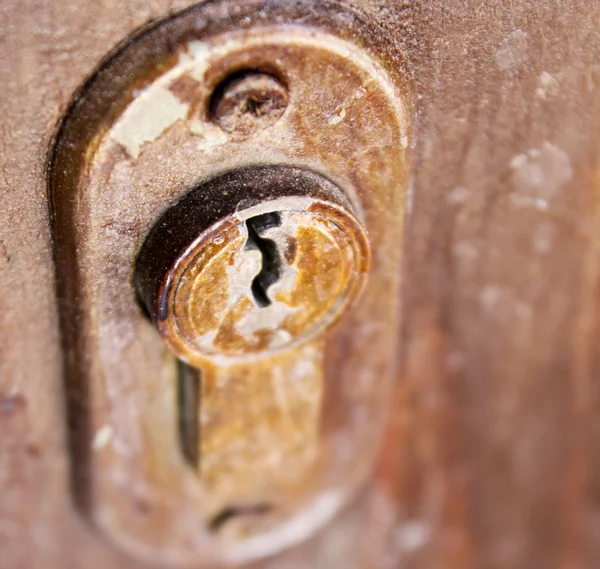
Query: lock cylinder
<point x="252" y="262"/>
<point x="242" y="277"/>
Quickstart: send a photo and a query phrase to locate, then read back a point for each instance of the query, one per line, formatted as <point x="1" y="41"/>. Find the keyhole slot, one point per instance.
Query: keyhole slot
<point x="233" y="513"/>
<point x="188" y="394"/>
<point x="272" y="260"/>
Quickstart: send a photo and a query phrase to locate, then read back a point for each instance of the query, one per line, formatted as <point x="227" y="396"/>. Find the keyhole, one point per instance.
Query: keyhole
<point x="271" y="270"/>
<point x="228" y="515"/>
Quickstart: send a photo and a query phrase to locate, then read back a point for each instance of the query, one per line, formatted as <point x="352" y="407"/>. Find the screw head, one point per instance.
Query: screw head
<point x="248" y="102"/>
<point x="262" y="277"/>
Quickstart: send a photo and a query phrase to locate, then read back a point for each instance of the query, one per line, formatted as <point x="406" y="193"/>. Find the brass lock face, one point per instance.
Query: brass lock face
<point x="243" y="167"/>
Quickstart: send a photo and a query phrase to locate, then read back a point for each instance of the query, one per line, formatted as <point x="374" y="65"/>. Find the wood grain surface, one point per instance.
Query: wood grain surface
<point x="492" y="456"/>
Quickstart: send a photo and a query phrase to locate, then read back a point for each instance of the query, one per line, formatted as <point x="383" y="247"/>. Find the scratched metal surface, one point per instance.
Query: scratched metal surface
<point x="491" y="458"/>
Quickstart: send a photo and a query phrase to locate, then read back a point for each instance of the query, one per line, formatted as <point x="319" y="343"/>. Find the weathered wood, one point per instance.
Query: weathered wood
<point x="492" y="456"/>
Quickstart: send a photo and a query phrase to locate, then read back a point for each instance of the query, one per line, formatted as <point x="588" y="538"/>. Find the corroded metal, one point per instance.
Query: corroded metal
<point x="140" y="137"/>
<point x="216" y="304"/>
<point x="248" y="301"/>
<point x="248" y="102"/>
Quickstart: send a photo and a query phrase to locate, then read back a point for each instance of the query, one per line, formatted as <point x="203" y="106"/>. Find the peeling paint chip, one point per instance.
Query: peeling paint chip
<point x="337" y="118"/>
<point x="155" y="110"/>
<point x="540" y="172"/>
<point x="513" y="52"/>
<point x="102" y="437"/>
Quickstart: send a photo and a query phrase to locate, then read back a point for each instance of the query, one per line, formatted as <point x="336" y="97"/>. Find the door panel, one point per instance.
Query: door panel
<point x="489" y="457"/>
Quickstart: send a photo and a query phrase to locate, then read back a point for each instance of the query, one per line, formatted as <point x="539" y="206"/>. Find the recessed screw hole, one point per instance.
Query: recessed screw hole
<point x="247" y="102"/>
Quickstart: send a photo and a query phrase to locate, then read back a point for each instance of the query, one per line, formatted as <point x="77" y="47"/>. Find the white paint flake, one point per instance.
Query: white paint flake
<point x="102" y="437"/>
<point x="412" y="535"/>
<point x="147" y="117"/>
<point x="337" y="117"/>
<point x="458" y="195"/>
<point x="547" y="86"/>
<point x="538" y="174"/>
<point x="512" y="53"/>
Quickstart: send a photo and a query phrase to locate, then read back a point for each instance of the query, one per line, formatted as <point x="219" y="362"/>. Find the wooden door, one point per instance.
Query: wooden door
<point x="489" y="453"/>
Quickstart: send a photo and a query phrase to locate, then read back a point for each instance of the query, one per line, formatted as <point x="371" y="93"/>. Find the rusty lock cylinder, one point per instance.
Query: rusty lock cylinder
<point x="251" y="262"/>
<point x="239" y="276"/>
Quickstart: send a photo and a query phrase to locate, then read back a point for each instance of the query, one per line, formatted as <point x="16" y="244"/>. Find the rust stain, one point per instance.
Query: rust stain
<point x="186" y="89"/>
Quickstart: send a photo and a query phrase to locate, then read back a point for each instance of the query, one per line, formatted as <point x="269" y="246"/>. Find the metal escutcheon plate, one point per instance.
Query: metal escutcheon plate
<point x="138" y="138"/>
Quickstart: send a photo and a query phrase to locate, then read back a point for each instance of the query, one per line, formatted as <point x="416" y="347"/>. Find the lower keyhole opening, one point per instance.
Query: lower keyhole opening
<point x="236" y="520"/>
<point x="246" y="513"/>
